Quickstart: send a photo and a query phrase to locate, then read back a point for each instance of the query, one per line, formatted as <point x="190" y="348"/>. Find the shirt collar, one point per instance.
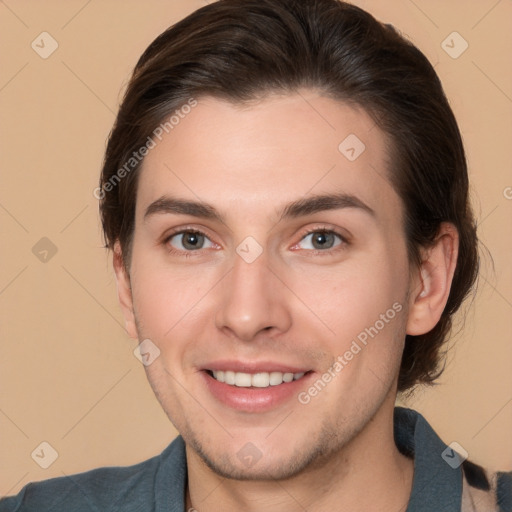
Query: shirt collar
<point x="436" y="484"/>
<point x="171" y="478"/>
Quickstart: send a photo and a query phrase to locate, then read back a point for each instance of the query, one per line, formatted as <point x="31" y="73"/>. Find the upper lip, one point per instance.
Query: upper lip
<point x="254" y="367"/>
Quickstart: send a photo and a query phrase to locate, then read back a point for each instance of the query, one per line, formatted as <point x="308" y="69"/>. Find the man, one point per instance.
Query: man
<point x="289" y="251"/>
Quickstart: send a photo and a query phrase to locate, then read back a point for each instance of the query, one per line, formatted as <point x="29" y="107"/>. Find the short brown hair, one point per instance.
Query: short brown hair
<point x="240" y="50"/>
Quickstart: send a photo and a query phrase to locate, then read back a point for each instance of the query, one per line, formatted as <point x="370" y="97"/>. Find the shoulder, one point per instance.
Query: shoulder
<point x="107" y="488"/>
<point x="98" y="489"/>
<point x="442" y="476"/>
<point x="483" y="491"/>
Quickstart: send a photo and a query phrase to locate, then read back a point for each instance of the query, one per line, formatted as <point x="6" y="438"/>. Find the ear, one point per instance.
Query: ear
<point x="431" y="285"/>
<point x="124" y="291"/>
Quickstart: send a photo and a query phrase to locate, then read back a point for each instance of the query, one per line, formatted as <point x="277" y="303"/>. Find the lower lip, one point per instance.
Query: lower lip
<point x="255" y="399"/>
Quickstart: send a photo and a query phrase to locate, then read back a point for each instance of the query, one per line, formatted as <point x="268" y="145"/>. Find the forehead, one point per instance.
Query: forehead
<point x="258" y="156"/>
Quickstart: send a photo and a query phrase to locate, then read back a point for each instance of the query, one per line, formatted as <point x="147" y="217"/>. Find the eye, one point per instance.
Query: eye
<point x="321" y="240"/>
<point x="189" y="240"/>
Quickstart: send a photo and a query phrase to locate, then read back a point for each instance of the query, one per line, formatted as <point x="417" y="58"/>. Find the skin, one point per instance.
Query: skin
<point x="295" y="304"/>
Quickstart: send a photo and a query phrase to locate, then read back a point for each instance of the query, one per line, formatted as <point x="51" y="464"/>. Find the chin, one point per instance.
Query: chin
<point x="281" y="467"/>
<point x="273" y="462"/>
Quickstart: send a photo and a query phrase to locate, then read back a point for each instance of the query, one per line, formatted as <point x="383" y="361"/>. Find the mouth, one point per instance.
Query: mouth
<point x="254" y="380"/>
<point x="255" y="388"/>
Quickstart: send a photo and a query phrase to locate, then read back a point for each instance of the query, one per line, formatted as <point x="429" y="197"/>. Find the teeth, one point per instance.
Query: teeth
<point x="275" y="378"/>
<point x="257" y="380"/>
<point x="243" y="380"/>
<point x="260" y="380"/>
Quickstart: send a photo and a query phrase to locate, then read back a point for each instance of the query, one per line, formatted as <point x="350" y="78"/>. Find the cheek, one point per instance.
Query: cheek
<point x="365" y="315"/>
<point x="352" y="297"/>
<point x="168" y="302"/>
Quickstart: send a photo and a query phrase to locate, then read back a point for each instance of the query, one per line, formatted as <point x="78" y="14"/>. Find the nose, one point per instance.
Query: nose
<point x="254" y="301"/>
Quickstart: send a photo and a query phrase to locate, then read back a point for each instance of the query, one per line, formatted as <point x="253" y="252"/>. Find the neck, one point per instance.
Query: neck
<point x="366" y="475"/>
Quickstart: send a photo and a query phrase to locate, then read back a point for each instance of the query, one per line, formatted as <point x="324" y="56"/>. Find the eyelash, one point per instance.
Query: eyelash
<point x="324" y="229"/>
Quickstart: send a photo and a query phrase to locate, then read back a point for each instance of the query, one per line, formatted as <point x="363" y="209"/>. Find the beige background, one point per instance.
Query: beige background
<point x="68" y="373"/>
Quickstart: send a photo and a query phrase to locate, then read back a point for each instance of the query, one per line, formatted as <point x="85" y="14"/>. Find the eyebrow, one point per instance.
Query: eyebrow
<point x="301" y="207"/>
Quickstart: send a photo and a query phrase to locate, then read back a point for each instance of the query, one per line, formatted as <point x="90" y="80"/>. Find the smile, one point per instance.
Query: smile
<point x="256" y="380"/>
<point x="254" y="390"/>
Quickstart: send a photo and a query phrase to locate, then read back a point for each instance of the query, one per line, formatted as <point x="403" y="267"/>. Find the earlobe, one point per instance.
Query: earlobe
<point x="124" y="291"/>
<point x="430" y="292"/>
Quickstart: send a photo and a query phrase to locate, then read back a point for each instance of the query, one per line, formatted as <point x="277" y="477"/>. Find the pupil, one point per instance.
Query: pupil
<point x="192" y="240"/>
<point x="322" y="240"/>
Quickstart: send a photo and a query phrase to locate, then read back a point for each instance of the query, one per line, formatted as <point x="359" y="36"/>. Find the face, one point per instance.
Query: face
<point x="279" y="313"/>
